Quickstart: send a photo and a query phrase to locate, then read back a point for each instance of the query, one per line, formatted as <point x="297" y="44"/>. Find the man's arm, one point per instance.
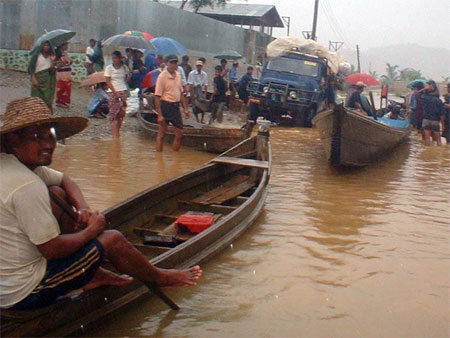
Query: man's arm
<point x="65" y="245"/>
<point x="185" y="106"/>
<point x="75" y="196"/>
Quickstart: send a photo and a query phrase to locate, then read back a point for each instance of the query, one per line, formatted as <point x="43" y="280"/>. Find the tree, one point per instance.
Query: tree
<point x="197" y="4"/>
<point x="374" y="74"/>
<point x="445" y="79"/>
<point x="391" y="74"/>
<point x="409" y="74"/>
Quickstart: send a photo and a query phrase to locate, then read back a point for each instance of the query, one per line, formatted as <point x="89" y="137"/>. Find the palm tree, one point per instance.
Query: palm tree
<point x="374" y="74"/>
<point x="391" y="73"/>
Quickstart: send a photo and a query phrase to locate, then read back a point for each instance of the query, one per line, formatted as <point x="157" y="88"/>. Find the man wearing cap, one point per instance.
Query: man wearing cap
<point x="44" y="254"/>
<point x="186" y="66"/>
<point x="198" y="83"/>
<point x="168" y="96"/>
<point x="356" y="101"/>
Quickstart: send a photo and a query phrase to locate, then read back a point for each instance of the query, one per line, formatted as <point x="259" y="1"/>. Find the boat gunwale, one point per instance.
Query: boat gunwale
<point x="365" y="119"/>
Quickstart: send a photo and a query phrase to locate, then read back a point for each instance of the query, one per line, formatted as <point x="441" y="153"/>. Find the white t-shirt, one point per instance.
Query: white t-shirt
<point x="89" y="52"/>
<point x="117" y="76"/>
<point x="26" y="220"/>
<point x="198" y="79"/>
<point x="42" y="63"/>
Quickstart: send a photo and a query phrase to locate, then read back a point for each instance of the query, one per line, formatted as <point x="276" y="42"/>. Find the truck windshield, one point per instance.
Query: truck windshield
<point x="294" y="66"/>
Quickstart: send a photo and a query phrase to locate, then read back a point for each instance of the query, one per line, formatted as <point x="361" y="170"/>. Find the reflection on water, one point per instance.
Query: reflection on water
<point x="335" y="253"/>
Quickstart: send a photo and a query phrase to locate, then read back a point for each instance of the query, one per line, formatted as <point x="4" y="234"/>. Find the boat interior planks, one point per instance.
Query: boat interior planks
<point x="233" y="194"/>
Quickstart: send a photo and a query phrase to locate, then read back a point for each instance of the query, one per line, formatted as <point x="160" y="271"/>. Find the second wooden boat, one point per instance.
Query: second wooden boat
<point x="232" y="188"/>
<point x="351" y="139"/>
<point x="201" y="137"/>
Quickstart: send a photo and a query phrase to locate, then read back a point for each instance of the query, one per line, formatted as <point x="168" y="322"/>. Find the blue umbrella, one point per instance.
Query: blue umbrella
<point x="413" y="82"/>
<point x="165" y="46"/>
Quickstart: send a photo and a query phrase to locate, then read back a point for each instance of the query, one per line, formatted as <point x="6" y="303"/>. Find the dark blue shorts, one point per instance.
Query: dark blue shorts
<point x="172" y="114"/>
<point x="64" y="275"/>
<point x="243" y="95"/>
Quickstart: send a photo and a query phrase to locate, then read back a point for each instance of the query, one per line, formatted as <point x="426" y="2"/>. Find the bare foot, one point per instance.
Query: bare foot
<point x="179" y="278"/>
<point x="106" y="277"/>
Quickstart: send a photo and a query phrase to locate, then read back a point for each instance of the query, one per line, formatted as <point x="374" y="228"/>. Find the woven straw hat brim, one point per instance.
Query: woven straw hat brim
<point x="29" y="111"/>
<point x="64" y="126"/>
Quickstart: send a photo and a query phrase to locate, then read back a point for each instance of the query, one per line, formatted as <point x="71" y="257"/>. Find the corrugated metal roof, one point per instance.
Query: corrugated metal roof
<point x="247" y="12"/>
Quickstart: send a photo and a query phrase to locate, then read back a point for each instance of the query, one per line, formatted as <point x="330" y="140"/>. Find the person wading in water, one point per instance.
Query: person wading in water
<point x="44" y="253"/>
<point x="168" y="95"/>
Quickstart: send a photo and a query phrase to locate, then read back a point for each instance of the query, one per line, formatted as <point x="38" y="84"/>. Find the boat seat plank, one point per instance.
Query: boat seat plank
<point x="214" y="208"/>
<point x="232" y="192"/>
<point x="243" y="162"/>
<point x="227" y="191"/>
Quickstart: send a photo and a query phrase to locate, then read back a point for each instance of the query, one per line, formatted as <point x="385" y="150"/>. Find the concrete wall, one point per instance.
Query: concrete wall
<point x="22" y="21"/>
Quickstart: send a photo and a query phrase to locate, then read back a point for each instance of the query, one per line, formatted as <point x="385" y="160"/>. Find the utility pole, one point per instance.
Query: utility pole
<point x="287" y="21"/>
<point x="314" y="28"/>
<point x="335" y="45"/>
<point x="357" y="57"/>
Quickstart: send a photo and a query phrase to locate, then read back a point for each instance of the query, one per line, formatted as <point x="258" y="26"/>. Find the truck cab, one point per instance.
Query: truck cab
<point x="291" y="89"/>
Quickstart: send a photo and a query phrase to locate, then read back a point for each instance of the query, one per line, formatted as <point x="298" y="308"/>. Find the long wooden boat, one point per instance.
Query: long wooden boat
<point x="232" y="187"/>
<point x="200" y="137"/>
<point x="351" y="139"/>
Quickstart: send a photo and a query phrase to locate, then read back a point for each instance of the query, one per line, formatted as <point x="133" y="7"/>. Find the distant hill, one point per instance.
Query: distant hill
<point x="433" y="62"/>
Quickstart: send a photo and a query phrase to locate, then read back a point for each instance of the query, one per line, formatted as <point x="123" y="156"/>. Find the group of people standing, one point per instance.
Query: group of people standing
<point x="51" y="73"/>
<point x="428" y="112"/>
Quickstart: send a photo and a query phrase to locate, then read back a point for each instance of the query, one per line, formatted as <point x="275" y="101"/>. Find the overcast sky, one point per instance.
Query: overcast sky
<point x="370" y="23"/>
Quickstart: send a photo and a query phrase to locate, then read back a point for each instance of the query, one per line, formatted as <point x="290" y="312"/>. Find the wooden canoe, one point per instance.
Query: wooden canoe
<point x="232" y="187"/>
<point x="351" y="139"/>
<point x="210" y="139"/>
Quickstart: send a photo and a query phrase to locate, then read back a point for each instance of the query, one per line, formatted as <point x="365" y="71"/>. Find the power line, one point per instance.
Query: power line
<point x="341" y="29"/>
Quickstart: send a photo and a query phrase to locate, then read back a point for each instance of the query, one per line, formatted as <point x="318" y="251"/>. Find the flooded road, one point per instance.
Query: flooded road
<point x="335" y="253"/>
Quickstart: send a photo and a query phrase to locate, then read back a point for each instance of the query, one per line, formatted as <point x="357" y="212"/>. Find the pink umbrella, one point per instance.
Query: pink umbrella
<point x="368" y="79"/>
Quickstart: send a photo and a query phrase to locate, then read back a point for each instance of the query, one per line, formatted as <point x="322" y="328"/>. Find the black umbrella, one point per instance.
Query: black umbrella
<point x="56" y="38"/>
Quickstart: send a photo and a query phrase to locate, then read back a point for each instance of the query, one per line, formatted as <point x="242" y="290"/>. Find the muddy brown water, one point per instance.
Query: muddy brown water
<point x="335" y="253"/>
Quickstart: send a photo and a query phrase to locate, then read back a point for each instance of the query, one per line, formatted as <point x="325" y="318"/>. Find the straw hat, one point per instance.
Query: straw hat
<point x="29" y="111"/>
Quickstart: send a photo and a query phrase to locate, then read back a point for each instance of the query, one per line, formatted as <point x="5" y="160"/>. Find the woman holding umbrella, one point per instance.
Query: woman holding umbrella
<point x="42" y="71"/>
<point x="116" y="76"/>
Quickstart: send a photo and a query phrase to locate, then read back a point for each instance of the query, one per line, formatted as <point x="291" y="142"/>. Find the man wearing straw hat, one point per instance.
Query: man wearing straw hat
<point x="44" y="255"/>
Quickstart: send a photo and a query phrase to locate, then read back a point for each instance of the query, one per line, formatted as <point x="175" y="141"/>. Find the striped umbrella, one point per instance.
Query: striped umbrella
<point x="128" y="40"/>
<point x="145" y="35"/>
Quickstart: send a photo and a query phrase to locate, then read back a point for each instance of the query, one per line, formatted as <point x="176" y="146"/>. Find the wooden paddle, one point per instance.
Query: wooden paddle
<point x="151" y="286"/>
<point x="372" y="102"/>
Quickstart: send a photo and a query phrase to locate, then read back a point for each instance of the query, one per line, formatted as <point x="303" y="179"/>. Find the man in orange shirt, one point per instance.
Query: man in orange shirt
<point x="168" y="96"/>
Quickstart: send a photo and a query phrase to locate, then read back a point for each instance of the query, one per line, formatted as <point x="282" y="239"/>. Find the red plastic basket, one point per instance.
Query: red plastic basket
<point x="195" y="223"/>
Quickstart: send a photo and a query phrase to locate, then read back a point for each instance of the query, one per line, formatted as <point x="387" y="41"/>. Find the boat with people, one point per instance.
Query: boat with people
<point x="195" y="135"/>
<point x="179" y="223"/>
<point x="352" y="139"/>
